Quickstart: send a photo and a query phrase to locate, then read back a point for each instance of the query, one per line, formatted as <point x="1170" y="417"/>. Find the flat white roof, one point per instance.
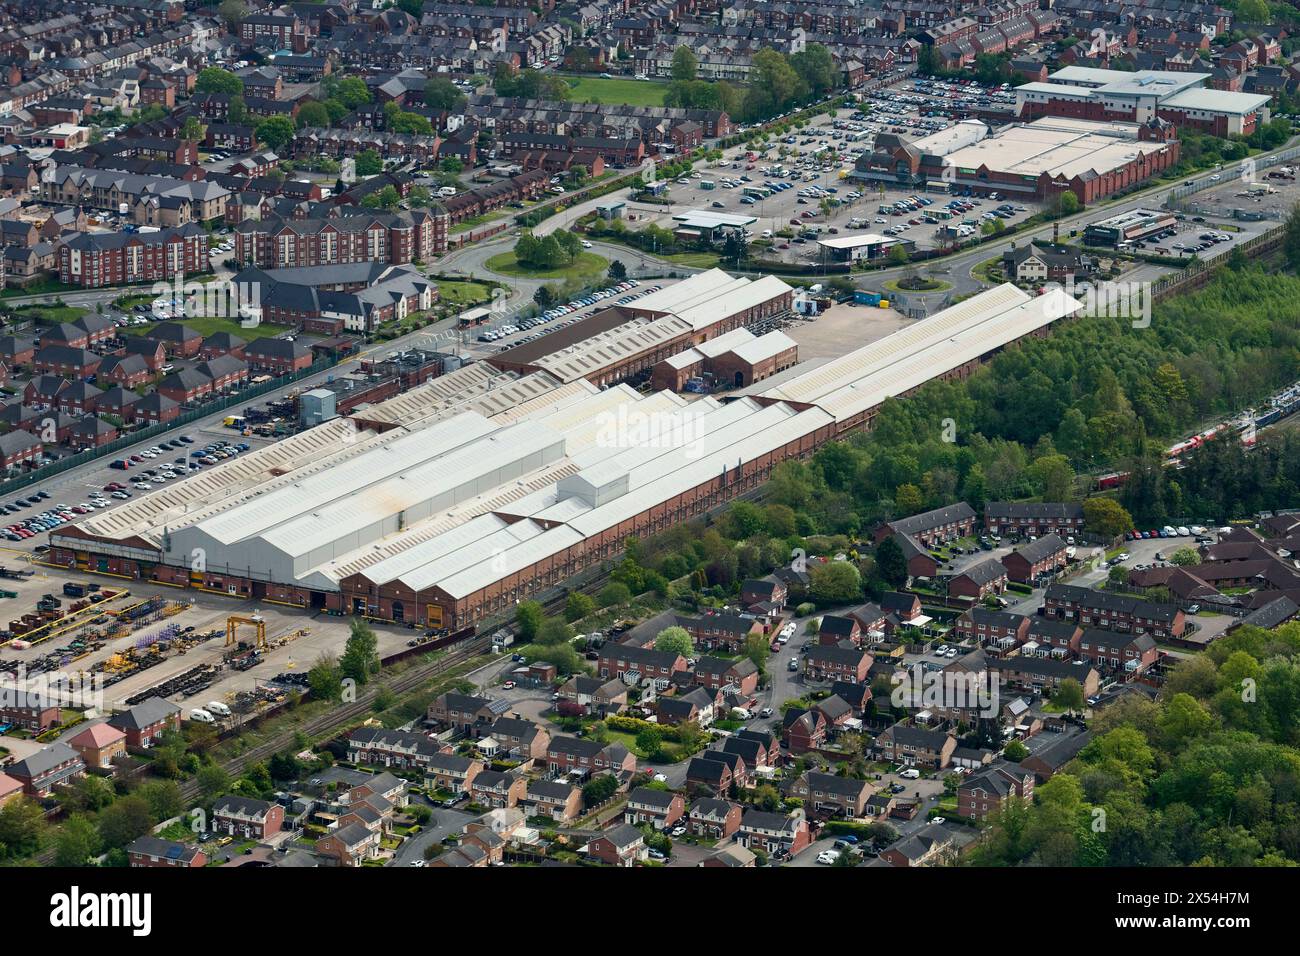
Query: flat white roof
<point x="1217" y="101"/>
<point x="707" y="219"/>
<point x="860" y="239"/>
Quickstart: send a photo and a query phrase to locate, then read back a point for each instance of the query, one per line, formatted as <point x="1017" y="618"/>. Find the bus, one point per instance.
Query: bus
<point x="707" y="184"/>
<point x="756" y="192"/>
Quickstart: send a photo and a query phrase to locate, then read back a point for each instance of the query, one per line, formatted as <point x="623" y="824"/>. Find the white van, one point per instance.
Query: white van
<point x="911" y="773"/>
<point x="740" y="713"/>
<point x="218" y="708"/>
<point x="201" y="716"/>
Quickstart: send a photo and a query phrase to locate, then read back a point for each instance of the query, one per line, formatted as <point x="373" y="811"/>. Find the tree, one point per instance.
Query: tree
<point x="835" y="582"/>
<point x="1106" y="517"/>
<point x="77" y="842"/>
<point x="369" y="163"/>
<point x="1254" y="12"/>
<point x="164" y="798"/>
<point x="685" y="64"/>
<point x="22" y="828"/>
<point x="554" y="630"/>
<point x="125" y="820"/>
<point x="213" y="781"/>
<point x="1184" y="557"/>
<point x="213" y="79"/>
<point x="891" y="564"/>
<point x="351" y="91"/>
<point x="617" y="272"/>
<point x="614" y="593"/>
<point x="1069" y="695"/>
<point x="325" y="679"/>
<point x="907" y="499"/>
<point x="649" y="741"/>
<point x="193" y="130"/>
<point x="441" y="93"/>
<point x="897" y="255"/>
<point x="386" y="198"/>
<point x="675" y="640"/>
<point x="599" y="790"/>
<point x="360" y="660"/>
<point x="232" y="12"/>
<point x="528" y="619"/>
<point x="1015" y="751"/>
<point x="544" y="296"/>
<point x="578" y="606"/>
<point x="275" y="132"/>
<point x="1067" y="203"/>
<point x="312" y="114"/>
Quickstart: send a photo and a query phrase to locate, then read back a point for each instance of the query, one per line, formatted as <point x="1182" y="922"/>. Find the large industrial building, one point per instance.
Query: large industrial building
<point x="1180" y="98"/>
<point x="1036" y="160"/>
<point x="452" y="502"/>
<point x="625" y="341"/>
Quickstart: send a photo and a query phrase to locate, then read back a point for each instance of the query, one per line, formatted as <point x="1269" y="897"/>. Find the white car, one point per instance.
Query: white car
<point x="827" y="857"/>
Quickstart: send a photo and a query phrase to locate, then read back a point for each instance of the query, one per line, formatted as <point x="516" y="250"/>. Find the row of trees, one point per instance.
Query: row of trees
<point x="1204" y="775"/>
<point x="778" y="83"/>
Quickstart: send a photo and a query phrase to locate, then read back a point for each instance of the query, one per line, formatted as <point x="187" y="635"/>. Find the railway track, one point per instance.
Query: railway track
<point x="335" y="718"/>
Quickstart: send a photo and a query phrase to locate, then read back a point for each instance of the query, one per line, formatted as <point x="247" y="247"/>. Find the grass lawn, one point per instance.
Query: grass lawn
<point x="594" y="89"/>
<point x="483" y="220"/>
<point x="699" y="260"/>
<point x="588" y="265"/>
<point x="208" y="326"/>
<point x="463" y="294"/>
<point x="51" y="313"/>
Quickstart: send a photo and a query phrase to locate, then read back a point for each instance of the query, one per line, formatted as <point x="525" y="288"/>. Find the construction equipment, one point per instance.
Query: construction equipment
<point x="232" y="625"/>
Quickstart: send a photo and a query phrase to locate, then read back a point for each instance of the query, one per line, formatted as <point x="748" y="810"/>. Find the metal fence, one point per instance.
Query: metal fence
<point x="159" y="428"/>
<point x="1243" y="169"/>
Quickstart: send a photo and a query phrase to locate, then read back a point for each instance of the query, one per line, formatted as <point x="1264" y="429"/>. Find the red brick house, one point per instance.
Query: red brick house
<point x="979" y="580"/>
<point x="65" y="361"/>
<point x="803" y="730"/>
<point x="151" y="851"/>
<point x="145" y="723"/>
<point x="915" y="746"/>
<point x="495" y="789"/>
<point x="624" y="845"/>
<point x="832" y="663"/>
<point x="560" y="801"/>
<point x="277" y="356"/>
<point x="716" y="673"/>
<point x="983" y="793"/>
<point x="775" y="834"/>
<point x="154" y="408"/>
<point x="1026" y="563"/>
<point x="246" y="817"/>
<point x="568" y="754"/>
<point x="659" y="808"/>
<point x="28" y="711"/>
<point x="618" y="660"/>
<point x="712" y="819"/>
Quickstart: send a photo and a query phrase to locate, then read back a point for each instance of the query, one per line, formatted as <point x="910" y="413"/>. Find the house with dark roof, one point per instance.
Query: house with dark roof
<point x="152" y="851"/>
<point x="56" y="765"/>
<point x="145" y="723"/>
<point x="247" y="817"/>
<point x="979" y="580"/>
<point x="914" y="746"/>
<point x="826" y="794"/>
<point x="1045" y="555"/>
<point x="623" y="845"/>
<point x="711" y="818"/>
<point x="990" y="790"/>
<point x="659" y="808"/>
<point x="1046" y="761"/>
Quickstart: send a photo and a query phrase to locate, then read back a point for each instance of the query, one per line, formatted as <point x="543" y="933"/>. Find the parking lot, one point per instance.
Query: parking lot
<point x="801" y="187"/>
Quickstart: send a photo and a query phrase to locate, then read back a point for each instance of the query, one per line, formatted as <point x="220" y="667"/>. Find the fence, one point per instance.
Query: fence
<point x="149" y="431"/>
<point x="1249" y="165"/>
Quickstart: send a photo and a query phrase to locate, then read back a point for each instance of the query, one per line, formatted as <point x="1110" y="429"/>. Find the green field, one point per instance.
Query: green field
<point x="590" y="89"/>
<point x="588" y="265"/>
<point x="206" y="327"/>
<point x="463" y="294"/>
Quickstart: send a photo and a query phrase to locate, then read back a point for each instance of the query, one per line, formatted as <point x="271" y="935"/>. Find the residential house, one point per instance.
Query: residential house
<point x="659" y="808"/>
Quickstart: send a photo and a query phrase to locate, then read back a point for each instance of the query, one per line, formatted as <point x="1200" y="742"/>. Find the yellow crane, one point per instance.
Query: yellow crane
<point x="232" y="625"/>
